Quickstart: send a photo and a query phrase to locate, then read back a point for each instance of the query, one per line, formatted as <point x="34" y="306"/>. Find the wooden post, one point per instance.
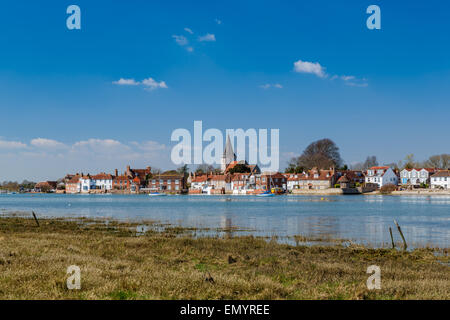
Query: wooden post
<point x="35" y="218"/>
<point x="401" y="233"/>
<point x="392" y="238"/>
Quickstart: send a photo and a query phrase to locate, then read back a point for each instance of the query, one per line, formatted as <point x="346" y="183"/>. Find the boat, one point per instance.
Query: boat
<point x="266" y="194"/>
<point x="156" y="194"/>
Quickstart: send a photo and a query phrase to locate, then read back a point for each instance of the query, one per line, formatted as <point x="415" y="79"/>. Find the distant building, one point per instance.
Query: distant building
<point x="350" y="178"/>
<point x="415" y="176"/>
<point x="210" y="183"/>
<point x="73" y="185"/>
<point x="381" y="176"/>
<point x="314" y="179"/>
<point x="102" y="181"/>
<point x="171" y="182"/>
<point x="441" y="180"/>
<point x="45" y="186"/>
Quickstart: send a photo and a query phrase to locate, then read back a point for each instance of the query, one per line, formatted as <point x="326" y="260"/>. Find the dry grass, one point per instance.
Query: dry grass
<point x="117" y="264"/>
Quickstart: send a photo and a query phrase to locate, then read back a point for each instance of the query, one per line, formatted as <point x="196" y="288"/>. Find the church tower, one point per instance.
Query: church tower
<point x="228" y="155"/>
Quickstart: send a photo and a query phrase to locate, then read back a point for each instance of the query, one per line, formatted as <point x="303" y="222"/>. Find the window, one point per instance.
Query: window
<point x="177" y="187"/>
<point x="169" y="181"/>
<point x="177" y="181"/>
<point x="169" y="187"/>
<point x="153" y="181"/>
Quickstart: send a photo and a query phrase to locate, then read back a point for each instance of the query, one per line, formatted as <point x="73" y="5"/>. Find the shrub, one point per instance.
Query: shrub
<point x="387" y="189"/>
<point x="337" y="185"/>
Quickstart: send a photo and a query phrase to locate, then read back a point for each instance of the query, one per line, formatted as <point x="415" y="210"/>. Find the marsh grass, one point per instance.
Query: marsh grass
<point x="118" y="262"/>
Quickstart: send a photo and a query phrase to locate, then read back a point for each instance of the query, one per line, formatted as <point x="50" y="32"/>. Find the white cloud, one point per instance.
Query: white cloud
<point x="148" y="84"/>
<point x="180" y="40"/>
<point x="151" y="84"/>
<point x="218" y="21"/>
<point x="12" y="145"/>
<point x="190" y="49"/>
<point x="310" y="67"/>
<point x="188" y="30"/>
<point x="93" y="155"/>
<point x="318" y="70"/>
<point x="207" y="38"/>
<point x="47" y="143"/>
<point x="126" y="82"/>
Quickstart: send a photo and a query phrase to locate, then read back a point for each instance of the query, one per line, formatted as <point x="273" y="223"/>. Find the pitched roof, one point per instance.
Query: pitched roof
<point x="321" y="175"/>
<point x="379" y="168"/>
<point x="102" y="176"/>
<point x="75" y="179"/>
<point x="441" y="173"/>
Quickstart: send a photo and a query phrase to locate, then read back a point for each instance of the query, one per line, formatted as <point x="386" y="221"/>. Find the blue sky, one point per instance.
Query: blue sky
<point x="381" y="92"/>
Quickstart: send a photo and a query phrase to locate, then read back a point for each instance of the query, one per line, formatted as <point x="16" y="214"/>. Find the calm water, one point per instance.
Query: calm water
<point x="424" y="220"/>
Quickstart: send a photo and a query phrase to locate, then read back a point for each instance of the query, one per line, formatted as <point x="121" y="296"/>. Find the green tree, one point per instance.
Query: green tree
<point x="240" y="168"/>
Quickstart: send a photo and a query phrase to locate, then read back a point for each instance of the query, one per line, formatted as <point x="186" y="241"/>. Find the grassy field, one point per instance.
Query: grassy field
<point x="117" y="262"/>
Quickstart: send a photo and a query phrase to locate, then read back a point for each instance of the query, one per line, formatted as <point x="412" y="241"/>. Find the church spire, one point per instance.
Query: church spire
<point x="228" y="154"/>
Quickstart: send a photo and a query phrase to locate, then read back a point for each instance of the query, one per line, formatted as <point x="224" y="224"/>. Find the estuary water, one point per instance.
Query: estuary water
<point x="425" y="220"/>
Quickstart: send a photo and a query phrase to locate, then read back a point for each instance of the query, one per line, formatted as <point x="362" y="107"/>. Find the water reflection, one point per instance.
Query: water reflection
<point x="425" y="220"/>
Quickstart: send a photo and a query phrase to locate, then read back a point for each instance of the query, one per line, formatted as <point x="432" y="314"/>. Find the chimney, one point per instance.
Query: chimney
<point x="116" y="172"/>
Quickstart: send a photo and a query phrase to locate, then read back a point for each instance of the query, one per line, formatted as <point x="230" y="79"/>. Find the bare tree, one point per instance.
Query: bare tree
<point x="205" y="168"/>
<point x="371" y="161"/>
<point x="439" y="161"/>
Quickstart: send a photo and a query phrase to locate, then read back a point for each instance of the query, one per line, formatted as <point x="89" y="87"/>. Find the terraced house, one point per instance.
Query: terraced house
<point x="416" y="177"/>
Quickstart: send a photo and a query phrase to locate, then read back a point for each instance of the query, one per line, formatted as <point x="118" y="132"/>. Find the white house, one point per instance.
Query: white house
<point x="416" y="176"/>
<point x="381" y="176"/>
<point x="441" y="180"/>
<point x="102" y="181"/>
<point x="86" y="184"/>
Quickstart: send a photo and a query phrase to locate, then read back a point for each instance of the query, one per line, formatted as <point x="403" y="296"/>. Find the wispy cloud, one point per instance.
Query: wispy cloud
<point x="268" y="86"/>
<point x="47" y="143"/>
<point x="351" y="81"/>
<point x="310" y="67"/>
<point x="218" y="21"/>
<point x="126" y="82"/>
<point x="318" y="70"/>
<point x="180" y="40"/>
<point x="11" y="144"/>
<point x="189" y="30"/>
<point x="207" y="38"/>
<point x="149" y="83"/>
